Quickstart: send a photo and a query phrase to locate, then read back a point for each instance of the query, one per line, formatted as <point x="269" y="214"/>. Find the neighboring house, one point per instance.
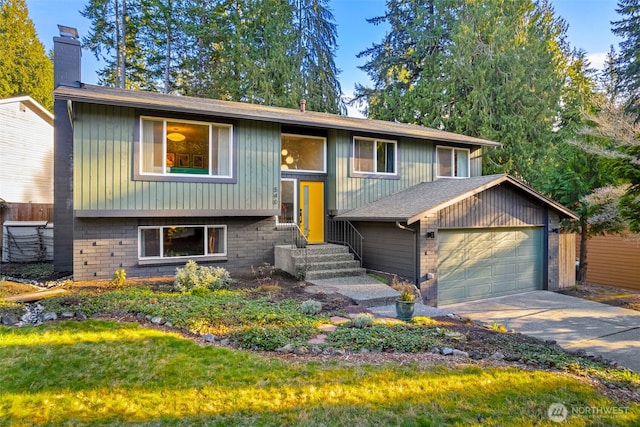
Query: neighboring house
<point x="152" y="180"/>
<point x="26" y="151"/>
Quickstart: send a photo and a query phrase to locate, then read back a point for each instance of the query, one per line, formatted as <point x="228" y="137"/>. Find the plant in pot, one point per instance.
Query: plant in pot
<point x="406" y="301"/>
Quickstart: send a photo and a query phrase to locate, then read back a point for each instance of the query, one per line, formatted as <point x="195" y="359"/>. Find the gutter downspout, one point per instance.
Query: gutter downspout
<point x="415" y="248"/>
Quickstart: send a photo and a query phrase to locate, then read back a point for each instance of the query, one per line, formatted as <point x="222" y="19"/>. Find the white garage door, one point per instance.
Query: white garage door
<point x="483" y="263"/>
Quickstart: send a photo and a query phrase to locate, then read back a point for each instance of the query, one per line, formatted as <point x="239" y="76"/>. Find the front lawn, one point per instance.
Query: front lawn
<point x="108" y="373"/>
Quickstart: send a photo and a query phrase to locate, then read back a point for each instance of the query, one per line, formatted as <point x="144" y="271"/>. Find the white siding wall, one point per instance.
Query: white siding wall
<point x="26" y="152"/>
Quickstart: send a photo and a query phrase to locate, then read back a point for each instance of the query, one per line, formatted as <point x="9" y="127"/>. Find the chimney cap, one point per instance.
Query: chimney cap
<point x="303" y="104"/>
<point x="68" y="31"/>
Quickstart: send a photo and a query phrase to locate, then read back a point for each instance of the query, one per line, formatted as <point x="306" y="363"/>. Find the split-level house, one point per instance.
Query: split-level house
<point x="146" y="181"/>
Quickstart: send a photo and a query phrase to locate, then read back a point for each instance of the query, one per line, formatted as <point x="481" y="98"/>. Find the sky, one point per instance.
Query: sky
<point x="588" y="20"/>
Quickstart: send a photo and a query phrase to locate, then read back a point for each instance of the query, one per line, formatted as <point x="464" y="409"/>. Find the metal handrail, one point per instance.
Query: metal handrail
<point x="342" y="232"/>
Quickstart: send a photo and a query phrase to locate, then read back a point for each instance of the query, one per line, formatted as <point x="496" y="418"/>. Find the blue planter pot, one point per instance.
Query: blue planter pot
<point x="404" y="309"/>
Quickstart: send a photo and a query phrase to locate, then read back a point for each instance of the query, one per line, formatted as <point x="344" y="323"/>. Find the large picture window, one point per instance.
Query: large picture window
<point x="182" y="241"/>
<point x="374" y="156"/>
<point x="178" y="147"/>
<point x="303" y="153"/>
<point x="452" y="162"/>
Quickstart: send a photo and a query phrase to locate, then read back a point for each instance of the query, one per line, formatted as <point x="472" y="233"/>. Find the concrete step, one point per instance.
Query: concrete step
<point x="328" y="274"/>
<point x="364" y="290"/>
<point x="316" y="258"/>
<point x="331" y="265"/>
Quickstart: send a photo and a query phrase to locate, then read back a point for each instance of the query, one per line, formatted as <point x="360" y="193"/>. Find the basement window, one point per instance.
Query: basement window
<point x="182" y="241"/>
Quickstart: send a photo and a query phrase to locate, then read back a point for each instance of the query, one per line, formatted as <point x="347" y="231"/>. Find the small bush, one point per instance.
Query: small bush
<point x="311" y="307"/>
<point x="119" y="276"/>
<point x="362" y="320"/>
<point x="193" y="276"/>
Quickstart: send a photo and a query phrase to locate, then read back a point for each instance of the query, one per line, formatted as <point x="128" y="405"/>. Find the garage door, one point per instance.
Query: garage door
<point x="483" y="263"/>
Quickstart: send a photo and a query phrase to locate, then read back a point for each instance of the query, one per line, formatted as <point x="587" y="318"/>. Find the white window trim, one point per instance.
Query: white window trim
<point x="295" y="205"/>
<point x="324" y="154"/>
<point x="375" y="157"/>
<point x="206" y="256"/>
<point x="453" y="160"/>
<point x="164" y="172"/>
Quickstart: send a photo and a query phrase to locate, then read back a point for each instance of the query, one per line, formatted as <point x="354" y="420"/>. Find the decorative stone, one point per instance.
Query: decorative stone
<point x="49" y="316"/>
<point x="225" y="341"/>
<point x="447" y="351"/>
<point x="327" y="328"/>
<point x="497" y="355"/>
<point x="81" y="316"/>
<point x="301" y="350"/>
<point x="67" y="315"/>
<point x="8" y="320"/>
<point x="168" y="324"/>
<point x="209" y="338"/>
<point x="457" y="352"/>
<point x="285" y="349"/>
<point x="157" y="320"/>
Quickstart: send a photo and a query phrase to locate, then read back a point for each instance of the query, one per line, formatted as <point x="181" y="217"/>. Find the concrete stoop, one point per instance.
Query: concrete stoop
<point x="317" y="261"/>
<point x="364" y="290"/>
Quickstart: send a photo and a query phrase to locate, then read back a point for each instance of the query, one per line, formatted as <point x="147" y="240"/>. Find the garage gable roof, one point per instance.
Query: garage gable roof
<point x="241" y="110"/>
<point x="415" y="202"/>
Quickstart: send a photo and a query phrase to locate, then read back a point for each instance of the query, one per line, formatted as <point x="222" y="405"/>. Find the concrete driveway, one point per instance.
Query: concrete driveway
<point x="574" y="323"/>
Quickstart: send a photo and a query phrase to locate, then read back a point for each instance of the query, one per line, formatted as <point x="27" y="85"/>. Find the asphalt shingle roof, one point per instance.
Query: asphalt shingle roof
<point x="414" y="202"/>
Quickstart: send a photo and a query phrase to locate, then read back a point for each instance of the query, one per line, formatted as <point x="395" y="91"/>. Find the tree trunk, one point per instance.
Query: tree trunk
<point x="581" y="277"/>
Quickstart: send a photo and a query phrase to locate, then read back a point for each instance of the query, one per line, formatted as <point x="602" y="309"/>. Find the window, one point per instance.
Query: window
<point x="182" y="241"/>
<point x="452" y="162"/>
<point x="178" y="147"/>
<point x="374" y="156"/>
<point x="302" y="153"/>
<point x="289" y="202"/>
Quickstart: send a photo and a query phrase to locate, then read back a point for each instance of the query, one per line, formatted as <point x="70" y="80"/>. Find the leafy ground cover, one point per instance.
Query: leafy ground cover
<point x="127" y="370"/>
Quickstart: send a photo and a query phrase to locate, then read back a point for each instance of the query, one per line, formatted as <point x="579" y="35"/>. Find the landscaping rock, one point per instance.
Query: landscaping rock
<point x="497" y="356"/>
<point x="209" y="338"/>
<point x="447" y="351"/>
<point x="225" y="342"/>
<point x="315" y="350"/>
<point x="157" y="320"/>
<point x="8" y="320"/>
<point x="81" y="316"/>
<point x="457" y="352"/>
<point x="168" y="324"/>
<point x="67" y="315"/>
<point x="47" y="317"/>
<point x="301" y="350"/>
<point x="285" y="349"/>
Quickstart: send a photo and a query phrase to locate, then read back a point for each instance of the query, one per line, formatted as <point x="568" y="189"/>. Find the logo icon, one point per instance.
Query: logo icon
<point x="557" y="412"/>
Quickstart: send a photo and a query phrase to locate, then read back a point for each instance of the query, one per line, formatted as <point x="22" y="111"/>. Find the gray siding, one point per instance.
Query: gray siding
<point x="499" y="206"/>
<point x="103" y="170"/>
<point x="388" y="248"/>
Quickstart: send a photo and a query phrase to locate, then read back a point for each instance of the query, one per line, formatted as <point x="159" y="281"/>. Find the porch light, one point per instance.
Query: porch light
<point x="175" y="137"/>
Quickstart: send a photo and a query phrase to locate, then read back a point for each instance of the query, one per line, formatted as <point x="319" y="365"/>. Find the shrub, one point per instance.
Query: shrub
<point x="193" y="276"/>
<point x="362" y="320"/>
<point x="408" y="291"/>
<point x="119" y="277"/>
<point x="311" y="307"/>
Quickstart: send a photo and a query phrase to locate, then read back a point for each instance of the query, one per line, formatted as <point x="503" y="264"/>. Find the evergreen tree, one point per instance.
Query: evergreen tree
<point x="25" y="69"/>
<point x="628" y="60"/>
<point x="489" y="69"/>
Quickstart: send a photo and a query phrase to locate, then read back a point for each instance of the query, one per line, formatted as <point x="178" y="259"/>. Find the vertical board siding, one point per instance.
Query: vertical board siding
<point x="496" y="207"/>
<point x="415" y="166"/>
<point x="388" y="248"/>
<point x="103" y="167"/>
<point x="614" y="260"/>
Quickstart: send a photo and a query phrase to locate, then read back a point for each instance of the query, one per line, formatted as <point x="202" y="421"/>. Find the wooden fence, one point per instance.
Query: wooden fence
<point x="614" y="260"/>
<point x="567" y="260"/>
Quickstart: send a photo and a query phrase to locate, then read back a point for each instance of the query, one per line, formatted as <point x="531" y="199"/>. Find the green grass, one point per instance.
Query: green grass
<point x="108" y="373"/>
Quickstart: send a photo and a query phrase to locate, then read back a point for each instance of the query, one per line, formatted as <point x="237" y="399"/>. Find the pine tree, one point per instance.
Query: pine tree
<point x="489" y="69"/>
<point x="628" y="61"/>
<point x="25" y="69"/>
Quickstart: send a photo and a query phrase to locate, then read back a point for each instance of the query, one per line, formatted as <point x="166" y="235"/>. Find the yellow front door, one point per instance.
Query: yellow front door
<point x="312" y="210"/>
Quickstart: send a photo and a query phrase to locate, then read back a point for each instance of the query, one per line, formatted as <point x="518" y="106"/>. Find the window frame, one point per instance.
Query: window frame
<point x="453" y="162"/>
<point x="140" y="174"/>
<point x="295" y="204"/>
<point x="324" y="154"/>
<point x="162" y="258"/>
<point x="376" y="173"/>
